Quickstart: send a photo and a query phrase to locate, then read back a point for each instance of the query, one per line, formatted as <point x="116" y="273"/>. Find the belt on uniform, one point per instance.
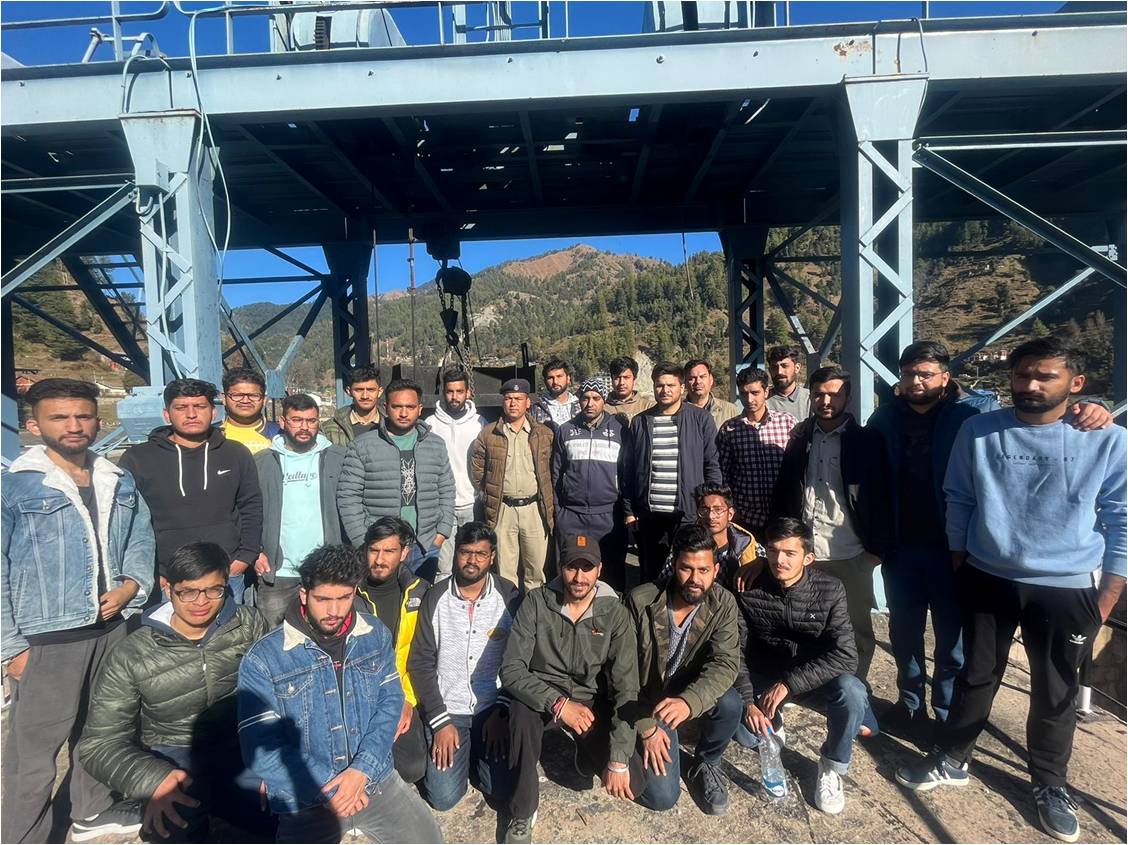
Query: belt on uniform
<point x="518" y="503"/>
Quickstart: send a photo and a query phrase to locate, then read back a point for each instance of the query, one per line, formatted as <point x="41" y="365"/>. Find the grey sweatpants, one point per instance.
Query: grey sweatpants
<point x="49" y="705"/>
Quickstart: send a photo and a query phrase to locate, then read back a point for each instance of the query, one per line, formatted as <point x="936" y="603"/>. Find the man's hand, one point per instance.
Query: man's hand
<point x="618" y="784"/>
<point x="958" y="560"/>
<point x="656" y="751"/>
<point x="756" y="721"/>
<point x="405" y="720"/>
<point x="159" y="808"/>
<point x="112" y="601"/>
<point x="17" y="665"/>
<point x="672" y="711"/>
<point x="1112" y="587"/>
<point x="747" y="574"/>
<point x="630" y="520"/>
<point x="1089" y="416"/>
<point x="443" y="746"/>
<point x="350" y="797"/>
<point x="439" y="540"/>
<point x="262" y="565"/>
<point x="238" y="567"/>
<point x="772" y="698"/>
<point x="495" y="735"/>
<point x="577" y="716"/>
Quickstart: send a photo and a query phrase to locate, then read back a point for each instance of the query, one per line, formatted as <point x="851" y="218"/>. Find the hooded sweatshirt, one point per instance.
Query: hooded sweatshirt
<point x="207" y="493"/>
<point x="299" y="533"/>
<point x="458" y="434"/>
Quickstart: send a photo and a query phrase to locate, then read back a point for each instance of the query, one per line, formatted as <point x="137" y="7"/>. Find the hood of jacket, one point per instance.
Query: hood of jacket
<point x="470" y="418"/>
<point x="159" y="618"/>
<point x="278" y="444"/>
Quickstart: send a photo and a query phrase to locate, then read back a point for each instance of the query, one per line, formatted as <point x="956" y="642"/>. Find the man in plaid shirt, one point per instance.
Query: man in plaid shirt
<point x="750" y="449"/>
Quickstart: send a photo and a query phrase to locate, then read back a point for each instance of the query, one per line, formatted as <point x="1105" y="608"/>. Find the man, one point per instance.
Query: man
<point x="556" y="405"/>
<point x="571" y="663"/>
<point x="319" y="698"/>
<point x="244" y="398"/>
<point x="455" y="657"/>
<point x="77" y="558"/>
<point x="362" y="385"/>
<point x="625" y="401"/>
<point x="735" y="547"/>
<point x="510" y="467"/>
<point x="392" y="594"/>
<point x="688" y="655"/>
<point x="789" y="396"/>
<point x="750" y="450"/>
<point x="587" y="477"/>
<point x="672" y="449"/>
<point x="797" y="644"/>
<point x="198" y="483"/>
<point x="834" y="477"/>
<point x="698" y="376"/>
<point x="457" y="422"/>
<point x="402" y="470"/>
<point x="174" y="677"/>
<point x="298" y="476"/>
<point x="1034" y="508"/>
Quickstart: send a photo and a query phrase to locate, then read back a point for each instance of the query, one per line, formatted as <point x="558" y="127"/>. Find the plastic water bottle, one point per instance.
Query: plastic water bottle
<point x="772" y="774"/>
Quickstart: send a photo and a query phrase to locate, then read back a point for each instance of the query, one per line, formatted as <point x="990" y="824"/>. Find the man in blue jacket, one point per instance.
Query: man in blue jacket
<point x="319" y="699"/>
<point x="77" y="559"/>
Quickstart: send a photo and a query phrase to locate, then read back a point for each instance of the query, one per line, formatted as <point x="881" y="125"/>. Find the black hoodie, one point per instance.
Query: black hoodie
<point x="210" y="493"/>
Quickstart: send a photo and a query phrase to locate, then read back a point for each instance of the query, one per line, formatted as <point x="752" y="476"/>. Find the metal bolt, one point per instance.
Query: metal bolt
<point x="371" y="73"/>
<point x="660" y="59"/>
<point x="509" y="61"/>
<point x="279" y="76"/>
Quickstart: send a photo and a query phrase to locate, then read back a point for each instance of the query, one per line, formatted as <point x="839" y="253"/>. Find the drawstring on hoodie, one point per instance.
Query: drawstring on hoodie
<point x="180" y="468"/>
<point x="206" y="444"/>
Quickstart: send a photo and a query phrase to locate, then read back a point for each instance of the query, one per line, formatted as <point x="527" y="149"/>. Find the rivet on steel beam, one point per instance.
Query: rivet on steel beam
<point x="371" y="73"/>
<point x="279" y="76"/>
<point x="660" y="59"/>
<point x="509" y="61"/>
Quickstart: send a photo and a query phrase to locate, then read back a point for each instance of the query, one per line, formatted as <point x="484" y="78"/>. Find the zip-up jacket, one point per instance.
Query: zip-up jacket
<point x="710" y="653"/>
<point x="207" y="493"/>
<point x="458" y="435"/>
<point x="546" y="410"/>
<point x="697" y="458"/>
<point x="487" y="468"/>
<point x="52" y="557"/>
<point x="799" y="635"/>
<point x="548" y="656"/>
<point x="299" y="729"/>
<point x="587" y="464"/>
<point x="627" y="409"/>
<point x="412" y="591"/>
<point x="338" y="428"/>
<point x="181" y="692"/>
<point x="456" y="656"/>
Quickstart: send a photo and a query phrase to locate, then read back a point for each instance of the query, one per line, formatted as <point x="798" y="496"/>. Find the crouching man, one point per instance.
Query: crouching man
<point x="319" y="700"/>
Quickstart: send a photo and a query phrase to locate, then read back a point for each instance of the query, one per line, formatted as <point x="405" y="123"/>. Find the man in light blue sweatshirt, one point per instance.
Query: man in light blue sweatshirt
<point x="1034" y="509"/>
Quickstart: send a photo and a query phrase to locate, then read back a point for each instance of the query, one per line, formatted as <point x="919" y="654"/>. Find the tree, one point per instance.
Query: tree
<point x="1039" y="329"/>
<point x="778" y="329"/>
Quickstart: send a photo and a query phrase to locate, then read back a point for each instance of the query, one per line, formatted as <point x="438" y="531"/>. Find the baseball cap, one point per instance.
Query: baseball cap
<point x="581" y="549"/>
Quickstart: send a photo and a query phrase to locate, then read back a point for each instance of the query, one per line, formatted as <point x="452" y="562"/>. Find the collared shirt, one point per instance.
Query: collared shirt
<point x="360" y="426"/>
<point x="824" y="498"/>
<point x="520" y="476"/>
<point x="750" y="455"/>
<point x="798" y="404"/>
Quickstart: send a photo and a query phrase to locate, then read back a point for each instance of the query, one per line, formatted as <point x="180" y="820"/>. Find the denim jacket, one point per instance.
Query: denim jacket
<point x="50" y="569"/>
<point x="295" y="731"/>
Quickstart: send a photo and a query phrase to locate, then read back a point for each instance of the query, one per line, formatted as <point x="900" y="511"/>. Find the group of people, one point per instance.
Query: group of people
<point x="313" y="628"/>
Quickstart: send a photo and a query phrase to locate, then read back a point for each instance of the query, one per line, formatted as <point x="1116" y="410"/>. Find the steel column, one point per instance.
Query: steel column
<point x="9" y="402"/>
<point x="347" y="290"/>
<point x="744" y="258"/>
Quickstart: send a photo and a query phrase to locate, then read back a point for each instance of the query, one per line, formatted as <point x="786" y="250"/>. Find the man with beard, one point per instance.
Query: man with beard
<point x="1034" y="508"/>
<point x="735" y="547"/>
<point x="556" y="405"/>
<point x="624" y="401"/>
<point x="789" y="396"/>
<point x="298" y="477"/>
<point x="571" y="663"/>
<point x="456" y="653"/>
<point x="457" y="422"/>
<point x="362" y="385"/>
<point x="688" y="655"/>
<point x="698" y="374"/>
<point x="77" y="559"/>
<point x="318" y="700"/>
<point x="244" y="398"/>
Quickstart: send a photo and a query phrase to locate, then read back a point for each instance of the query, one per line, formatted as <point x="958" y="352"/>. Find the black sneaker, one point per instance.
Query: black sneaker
<point x="710" y="785"/>
<point x="937" y="769"/>
<point x="120" y="820"/>
<point x="1057" y="812"/>
<point x="520" y="830"/>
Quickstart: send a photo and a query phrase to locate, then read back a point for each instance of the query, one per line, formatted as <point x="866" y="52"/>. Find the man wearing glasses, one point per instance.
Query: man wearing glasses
<point x="298" y="476"/>
<point x="244" y="397"/>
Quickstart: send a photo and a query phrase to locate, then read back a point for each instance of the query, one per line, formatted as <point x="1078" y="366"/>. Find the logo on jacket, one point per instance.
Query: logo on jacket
<point x="222" y="471"/>
<point x="1077" y="639"/>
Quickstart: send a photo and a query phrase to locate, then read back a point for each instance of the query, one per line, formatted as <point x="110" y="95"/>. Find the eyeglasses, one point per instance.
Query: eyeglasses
<point x="915" y="376"/>
<point x="717" y="511"/>
<point x="244" y="397"/>
<point x="582" y="565"/>
<point x="293" y="422"/>
<point x="191" y="595"/>
<point x="470" y="554"/>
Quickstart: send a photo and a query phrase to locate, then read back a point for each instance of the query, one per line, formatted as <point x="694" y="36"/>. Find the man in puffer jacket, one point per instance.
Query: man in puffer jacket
<point x="177" y="675"/>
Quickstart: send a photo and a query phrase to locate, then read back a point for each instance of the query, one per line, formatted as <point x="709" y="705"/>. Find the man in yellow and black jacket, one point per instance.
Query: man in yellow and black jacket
<point x="393" y="595"/>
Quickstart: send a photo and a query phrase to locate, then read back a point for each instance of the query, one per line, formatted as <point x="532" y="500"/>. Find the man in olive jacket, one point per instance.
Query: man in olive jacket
<point x="175" y="676"/>
<point x="688" y="654"/>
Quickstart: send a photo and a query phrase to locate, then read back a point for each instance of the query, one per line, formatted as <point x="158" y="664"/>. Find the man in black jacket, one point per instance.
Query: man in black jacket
<point x="834" y="478"/>
<point x="797" y="642"/>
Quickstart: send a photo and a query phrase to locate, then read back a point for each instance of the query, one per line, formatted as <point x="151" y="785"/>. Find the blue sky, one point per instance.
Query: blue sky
<point x="419" y="25"/>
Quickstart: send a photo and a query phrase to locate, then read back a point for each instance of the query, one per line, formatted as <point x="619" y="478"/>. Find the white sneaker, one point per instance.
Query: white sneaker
<point x="830" y="791"/>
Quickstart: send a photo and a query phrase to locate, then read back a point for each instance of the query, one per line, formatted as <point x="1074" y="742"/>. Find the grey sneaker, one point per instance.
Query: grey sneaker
<point x="937" y="769"/>
<point x="120" y="820"/>
<point x="520" y="830"/>
<point x="1057" y="812"/>
<point x="710" y="785"/>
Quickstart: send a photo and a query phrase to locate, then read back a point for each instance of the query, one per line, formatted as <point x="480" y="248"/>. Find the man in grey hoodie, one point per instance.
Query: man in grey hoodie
<point x="298" y="476"/>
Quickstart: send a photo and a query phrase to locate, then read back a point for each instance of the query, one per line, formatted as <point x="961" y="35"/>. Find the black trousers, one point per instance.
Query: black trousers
<point x="526" y="736"/>
<point x="410" y="751"/>
<point x="1058" y="625"/>
<point x="654" y="533"/>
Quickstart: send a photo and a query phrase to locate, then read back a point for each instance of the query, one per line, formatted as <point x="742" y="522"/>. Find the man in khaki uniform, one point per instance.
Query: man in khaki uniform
<point x="510" y="467"/>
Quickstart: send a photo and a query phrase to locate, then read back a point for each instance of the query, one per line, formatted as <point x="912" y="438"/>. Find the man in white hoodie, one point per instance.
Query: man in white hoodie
<point x="457" y="423"/>
<point x="298" y="476"/>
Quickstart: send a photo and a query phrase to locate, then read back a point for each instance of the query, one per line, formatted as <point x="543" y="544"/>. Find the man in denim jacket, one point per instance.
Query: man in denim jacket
<point x="78" y="557"/>
<point x="319" y="700"/>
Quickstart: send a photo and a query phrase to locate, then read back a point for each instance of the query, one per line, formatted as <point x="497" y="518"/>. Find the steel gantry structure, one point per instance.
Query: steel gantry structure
<point x="728" y="119"/>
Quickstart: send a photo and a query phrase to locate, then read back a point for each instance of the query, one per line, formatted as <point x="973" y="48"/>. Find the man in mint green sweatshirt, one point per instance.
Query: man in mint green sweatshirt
<point x="1034" y="509"/>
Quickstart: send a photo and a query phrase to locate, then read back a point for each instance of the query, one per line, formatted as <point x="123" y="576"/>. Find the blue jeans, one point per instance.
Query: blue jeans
<point x="847" y="705"/>
<point x="444" y="789"/>
<point x="239" y="589"/>
<point x="919" y="580"/>
<point x="425" y="564"/>
<point x="717" y="728"/>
